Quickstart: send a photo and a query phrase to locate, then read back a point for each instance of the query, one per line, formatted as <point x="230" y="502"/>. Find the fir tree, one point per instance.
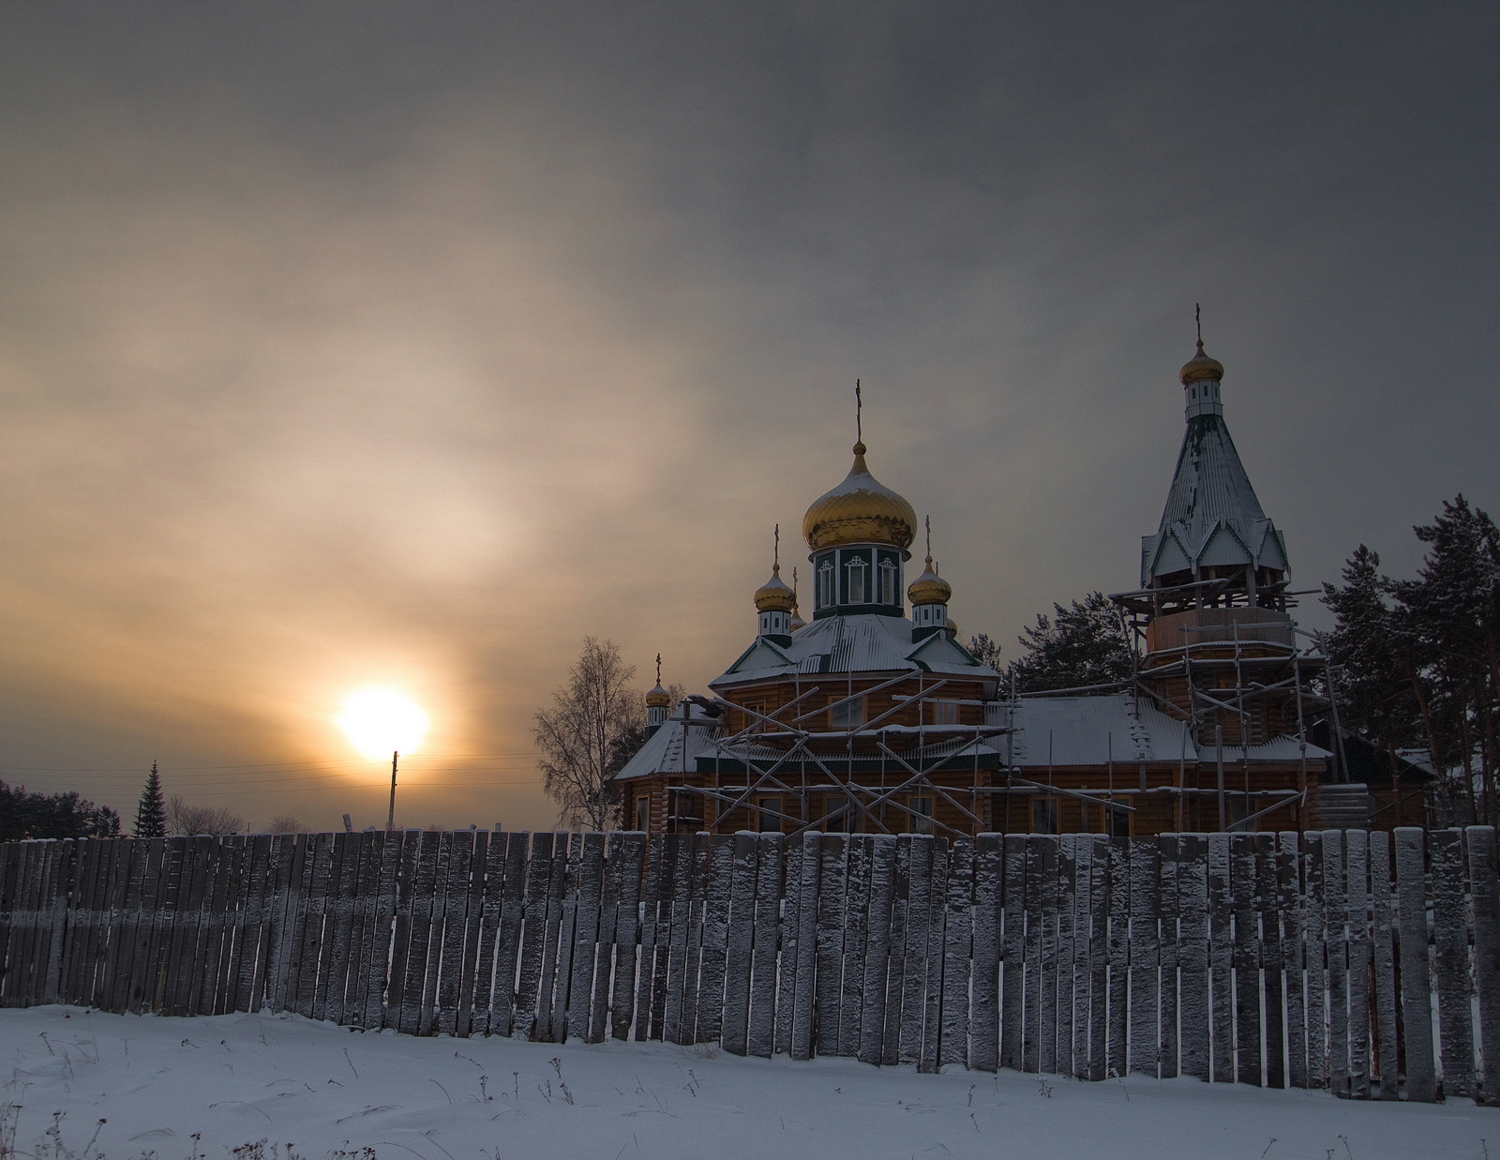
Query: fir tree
<point x="53" y="815"/>
<point x="151" y="812"/>
<point x="1084" y="644"/>
<point x="1418" y="661"/>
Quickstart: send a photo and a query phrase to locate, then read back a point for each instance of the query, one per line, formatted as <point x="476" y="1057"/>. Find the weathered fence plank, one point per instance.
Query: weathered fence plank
<point x="1416" y="989"/>
<point x="761" y="1024"/>
<point x="1451" y="943"/>
<point x="984" y="1012"/>
<point x="1486" y="904"/>
<point x="1384" y="962"/>
<point x="1193" y="988"/>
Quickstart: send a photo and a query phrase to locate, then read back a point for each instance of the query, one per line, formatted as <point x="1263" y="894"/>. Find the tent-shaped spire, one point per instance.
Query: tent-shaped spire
<point x="1213" y="523"/>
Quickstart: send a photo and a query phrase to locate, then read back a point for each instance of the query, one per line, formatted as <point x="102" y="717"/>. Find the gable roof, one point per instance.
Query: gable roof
<point x="853" y="644"/>
<point x="674" y="748"/>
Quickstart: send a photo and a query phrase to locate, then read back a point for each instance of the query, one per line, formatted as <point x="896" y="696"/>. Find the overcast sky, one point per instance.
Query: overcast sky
<point x="350" y="344"/>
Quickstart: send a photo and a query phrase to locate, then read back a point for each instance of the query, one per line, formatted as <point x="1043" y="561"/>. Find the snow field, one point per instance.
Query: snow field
<point x="327" y="1091"/>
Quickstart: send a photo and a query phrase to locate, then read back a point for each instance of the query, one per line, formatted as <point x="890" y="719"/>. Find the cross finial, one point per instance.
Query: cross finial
<point x="1198" y="321"/>
<point x="928" y="522"/>
<point x="794" y="583"/>
<point x="859" y="403"/>
<point x="658" y="669"/>
<point x="776" y="549"/>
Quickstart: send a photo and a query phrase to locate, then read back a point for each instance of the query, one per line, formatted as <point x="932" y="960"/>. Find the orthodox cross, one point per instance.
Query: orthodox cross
<point x="658" y="669"/>
<point x="859" y="404"/>
<point x="776" y="550"/>
<point x="1198" y="320"/>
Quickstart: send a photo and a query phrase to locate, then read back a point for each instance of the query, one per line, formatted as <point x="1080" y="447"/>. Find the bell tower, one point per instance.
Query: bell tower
<point x="1213" y="601"/>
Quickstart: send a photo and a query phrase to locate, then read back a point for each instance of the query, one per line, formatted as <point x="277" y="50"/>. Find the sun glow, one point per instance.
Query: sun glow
<point x="379" y="722"/>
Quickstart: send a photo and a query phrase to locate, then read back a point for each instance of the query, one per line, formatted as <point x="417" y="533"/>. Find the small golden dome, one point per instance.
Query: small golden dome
<point x="1200" y="367"/>
<point x="929" y="588"/>
<point x="775" y="595"/>
<point x="658" y="698"/>
<point x="796" y="622"/>
<point x="952" y="628"/>
<point x="859" y="511"/>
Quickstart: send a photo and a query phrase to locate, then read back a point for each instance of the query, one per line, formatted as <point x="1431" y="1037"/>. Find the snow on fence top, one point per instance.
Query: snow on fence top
<point x="1302" y="960"/>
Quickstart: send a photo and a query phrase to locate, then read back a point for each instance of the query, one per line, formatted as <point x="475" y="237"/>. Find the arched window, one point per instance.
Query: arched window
<point x="825" y="585"/>
<point x="856" y="591"/>
<point x="888" y="581"/>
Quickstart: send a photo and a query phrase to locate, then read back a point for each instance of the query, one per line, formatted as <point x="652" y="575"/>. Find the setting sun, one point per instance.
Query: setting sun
<point x="379" y="722"/>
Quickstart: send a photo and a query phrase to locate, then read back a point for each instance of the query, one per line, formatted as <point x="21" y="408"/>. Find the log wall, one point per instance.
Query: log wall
<point x="1364" y="963"/>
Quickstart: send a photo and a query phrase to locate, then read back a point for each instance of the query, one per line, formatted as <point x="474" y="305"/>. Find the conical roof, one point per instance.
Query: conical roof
<point x="1212" y="515"/>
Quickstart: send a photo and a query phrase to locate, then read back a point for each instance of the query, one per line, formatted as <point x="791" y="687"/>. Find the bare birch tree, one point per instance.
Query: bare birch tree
<point x="580" y="735"/>
<point x="185" y="818"/>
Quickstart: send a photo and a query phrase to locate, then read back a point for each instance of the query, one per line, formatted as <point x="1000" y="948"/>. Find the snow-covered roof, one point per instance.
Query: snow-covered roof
<point x="853" y="644"/>
<point x="1212" y="515"/>
<point x="1066" y="731"/>
<point x="674" y="748"/>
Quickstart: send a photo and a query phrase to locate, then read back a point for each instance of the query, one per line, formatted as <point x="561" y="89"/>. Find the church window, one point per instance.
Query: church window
<point x="888" y="581"/>
<point x="839" y="816"/>
<point x="945" y="712"/>
<point x="856" y="591"/>
<point x="847" y="714"/>
<point x="921" y="819"/>
<point x="1044" y="816"/>
<point x="770" y="807"/>
<point x="643" y="812"/>
<point x="825" y="584"/>
<point x="1116" y="822"/>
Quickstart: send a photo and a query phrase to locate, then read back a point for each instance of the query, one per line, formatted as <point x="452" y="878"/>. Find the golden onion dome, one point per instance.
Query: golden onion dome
<point x="775" y="595"/>
<point x="796" y="622"/>
<point x="1200" y="367"/>
<point x="929" y="588"/>
<point x="658" y="698"/>
<point x="952" y="628"/>
<point x="859" y="511"/>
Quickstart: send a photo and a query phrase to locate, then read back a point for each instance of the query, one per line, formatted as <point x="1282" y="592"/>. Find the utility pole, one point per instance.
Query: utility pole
<point x="390" y="818"/>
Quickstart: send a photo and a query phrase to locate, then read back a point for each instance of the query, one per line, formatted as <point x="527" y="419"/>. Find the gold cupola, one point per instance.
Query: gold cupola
<point x="861" y="510"/>
<point x="929" y="588"/>
<point x="775" y="595"/>
<point x="929" y="594"/>
<point x="1200" y="368"/>
<point x="775" y="601"/>
<point x="658" y="698"/>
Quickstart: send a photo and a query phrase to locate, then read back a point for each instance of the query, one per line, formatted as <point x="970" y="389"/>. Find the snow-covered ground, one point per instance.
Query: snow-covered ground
<point x="325" y="1090"/>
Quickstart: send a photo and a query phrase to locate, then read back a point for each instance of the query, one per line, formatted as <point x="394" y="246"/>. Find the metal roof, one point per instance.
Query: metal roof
<point x="1069" y="731"/>
<point x="854" y="644"/>
<point x="674" y="748"/>
<point x="1212" y="515"/>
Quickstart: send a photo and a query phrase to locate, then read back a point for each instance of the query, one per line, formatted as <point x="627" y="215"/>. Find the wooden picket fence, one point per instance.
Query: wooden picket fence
<point x="1310" y="960"/>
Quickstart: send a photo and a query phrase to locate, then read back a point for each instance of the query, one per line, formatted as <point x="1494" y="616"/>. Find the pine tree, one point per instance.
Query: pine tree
<point x="151" y="813"/>
<point x="1374" y="663"/>
<point x="1081" y="645"/>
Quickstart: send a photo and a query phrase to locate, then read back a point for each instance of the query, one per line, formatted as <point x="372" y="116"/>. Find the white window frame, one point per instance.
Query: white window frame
<point x="825" y="585"/>
<point x="856" y="590"/>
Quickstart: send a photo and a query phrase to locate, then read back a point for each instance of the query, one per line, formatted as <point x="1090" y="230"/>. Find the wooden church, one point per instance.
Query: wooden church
<point x="873" y="718"/>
